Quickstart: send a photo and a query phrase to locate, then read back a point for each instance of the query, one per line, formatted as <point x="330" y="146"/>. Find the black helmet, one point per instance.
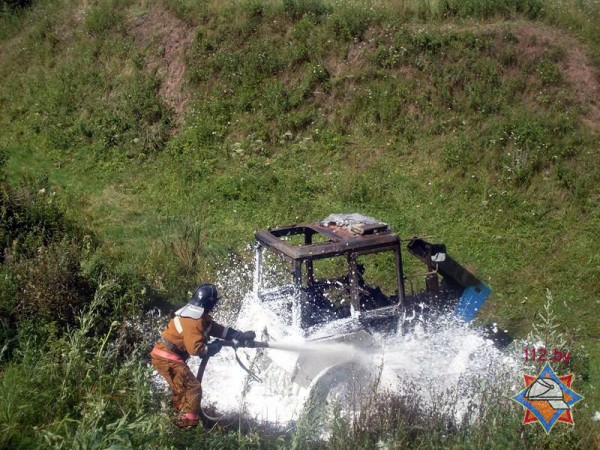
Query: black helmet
<point x="205" y="296"/>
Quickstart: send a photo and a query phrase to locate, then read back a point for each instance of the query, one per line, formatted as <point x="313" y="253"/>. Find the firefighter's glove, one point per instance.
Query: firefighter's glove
<point x="213" y="348"/>
<point x="246" y="336"/>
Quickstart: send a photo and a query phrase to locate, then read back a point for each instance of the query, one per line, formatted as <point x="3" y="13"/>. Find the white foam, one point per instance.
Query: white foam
<point x="440" y="364"/>
<point x="448" y="365"/>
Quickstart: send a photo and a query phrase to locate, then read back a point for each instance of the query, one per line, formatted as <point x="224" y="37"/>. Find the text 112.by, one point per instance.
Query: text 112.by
<point x="541" y="354"/>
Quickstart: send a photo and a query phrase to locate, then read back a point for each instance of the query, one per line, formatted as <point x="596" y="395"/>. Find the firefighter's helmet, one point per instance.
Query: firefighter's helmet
<point x="205" y="296"/>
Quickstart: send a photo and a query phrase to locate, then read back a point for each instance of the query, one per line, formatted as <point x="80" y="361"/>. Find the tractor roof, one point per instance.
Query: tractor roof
<point x="336" y="235"/>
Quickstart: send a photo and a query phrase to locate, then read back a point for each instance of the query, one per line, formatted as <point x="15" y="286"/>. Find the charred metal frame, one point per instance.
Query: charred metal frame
<point x="350" y="241"/>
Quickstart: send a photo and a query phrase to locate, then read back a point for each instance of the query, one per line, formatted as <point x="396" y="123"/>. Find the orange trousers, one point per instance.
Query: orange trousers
<point x="186" y="390"/>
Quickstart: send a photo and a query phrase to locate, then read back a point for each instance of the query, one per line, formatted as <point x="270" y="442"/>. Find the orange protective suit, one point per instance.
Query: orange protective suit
<point x="182" y="337"/>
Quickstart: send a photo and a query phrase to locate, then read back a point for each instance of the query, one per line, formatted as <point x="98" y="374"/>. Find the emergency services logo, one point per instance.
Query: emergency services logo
<point x="548" y="398"/>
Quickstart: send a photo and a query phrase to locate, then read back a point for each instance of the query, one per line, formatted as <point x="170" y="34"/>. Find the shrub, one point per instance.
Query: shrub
<point x="30" y="218"/>
<point x="350" y="22"/>
<point x="51" y="287"/>
<point x="136" y="121"/>
<point x="254" y="9"/>
<point x="85" y="395"/>
<point x="3" y="160"/>
<point x="102" y="17"/>
<point x="297" y="9"/>
<point x="52" y="269"/>
<point x="13" y="4"/>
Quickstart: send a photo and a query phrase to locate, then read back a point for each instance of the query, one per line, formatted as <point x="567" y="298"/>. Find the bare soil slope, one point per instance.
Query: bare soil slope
<point x="166" y="39"/>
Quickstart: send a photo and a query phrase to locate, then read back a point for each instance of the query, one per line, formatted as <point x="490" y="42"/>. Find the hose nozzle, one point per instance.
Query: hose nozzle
<point x="253" y="344"/>
<point x="246" y="344"/>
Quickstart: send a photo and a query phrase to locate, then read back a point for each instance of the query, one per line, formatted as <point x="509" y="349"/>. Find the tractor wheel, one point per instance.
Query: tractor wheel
<point x="336" y="396"/>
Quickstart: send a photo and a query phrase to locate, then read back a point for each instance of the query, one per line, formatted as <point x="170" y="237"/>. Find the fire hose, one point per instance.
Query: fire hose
<point x="234" y="345"/>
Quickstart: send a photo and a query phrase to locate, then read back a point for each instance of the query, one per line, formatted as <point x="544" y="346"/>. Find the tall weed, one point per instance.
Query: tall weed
<point x="91" y="396"/>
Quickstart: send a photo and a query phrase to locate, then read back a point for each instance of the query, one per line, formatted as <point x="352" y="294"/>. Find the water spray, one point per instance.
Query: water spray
<point x="250" y="344"/>
<point x="323" y="349"/>
<point x="305" y="347"/>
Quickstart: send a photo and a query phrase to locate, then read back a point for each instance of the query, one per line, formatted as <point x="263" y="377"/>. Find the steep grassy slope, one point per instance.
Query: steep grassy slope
<point x="174" y="130"/>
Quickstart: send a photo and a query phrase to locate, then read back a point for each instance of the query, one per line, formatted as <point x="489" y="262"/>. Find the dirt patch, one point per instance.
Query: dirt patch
<point x="166" y="39"/>
<point x="356" y="58"/>
<point x="582" y="75"/>
<point x="578" y="70"/>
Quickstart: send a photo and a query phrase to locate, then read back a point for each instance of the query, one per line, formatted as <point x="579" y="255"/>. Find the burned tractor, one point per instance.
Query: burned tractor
<point x="341" y="288"/>
<point x="344" y="281"/>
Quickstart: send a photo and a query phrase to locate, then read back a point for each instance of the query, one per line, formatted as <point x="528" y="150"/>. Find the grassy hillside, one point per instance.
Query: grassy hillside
<point x="173" y="130"/>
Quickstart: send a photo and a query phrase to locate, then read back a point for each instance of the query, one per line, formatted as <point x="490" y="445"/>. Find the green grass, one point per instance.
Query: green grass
<point x="443" y="119"/>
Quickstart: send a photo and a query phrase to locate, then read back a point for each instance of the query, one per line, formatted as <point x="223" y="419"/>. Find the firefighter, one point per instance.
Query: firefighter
<point x="185" y="335"/>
